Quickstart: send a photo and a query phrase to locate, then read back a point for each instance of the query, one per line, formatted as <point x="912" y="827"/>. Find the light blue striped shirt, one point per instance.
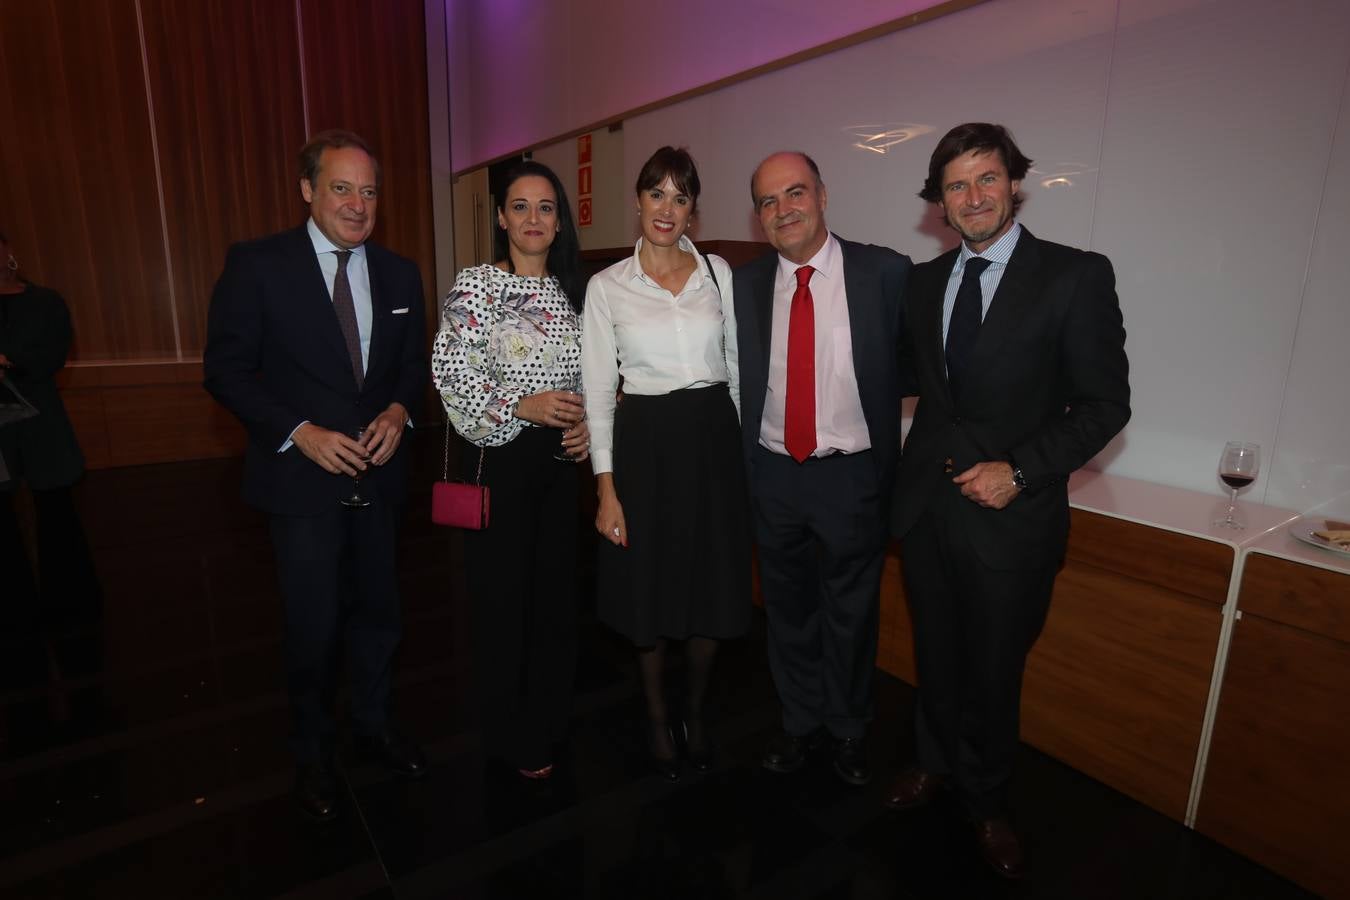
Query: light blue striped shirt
<point x="998" y="255"/>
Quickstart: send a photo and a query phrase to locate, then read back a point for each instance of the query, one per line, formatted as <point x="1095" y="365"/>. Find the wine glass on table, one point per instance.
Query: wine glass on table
<point x="355" y="500"/>
<point x="573" y="384"/>
<point x="1238" y="467"/>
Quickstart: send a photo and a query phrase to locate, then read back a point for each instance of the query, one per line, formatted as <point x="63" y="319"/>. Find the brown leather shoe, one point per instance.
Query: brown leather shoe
<point x="1000" y="847"/>
<point x="912" y="788"/>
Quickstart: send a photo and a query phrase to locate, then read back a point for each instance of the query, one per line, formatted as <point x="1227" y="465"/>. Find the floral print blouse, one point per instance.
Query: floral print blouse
<point x="503" y="337"/>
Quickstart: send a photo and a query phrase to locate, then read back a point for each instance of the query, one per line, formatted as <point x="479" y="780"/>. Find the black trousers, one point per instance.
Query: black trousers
<point x="821" y="533"/>
<point x="340" y="594"/>
<point x="973" y="628"/>
<point x="521" y="572"/>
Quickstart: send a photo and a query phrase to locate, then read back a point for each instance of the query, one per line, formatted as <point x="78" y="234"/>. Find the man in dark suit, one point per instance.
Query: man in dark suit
<point x="1019" y="353"/>
<point x="315" y="336"/>
<point x="818" y="324"/>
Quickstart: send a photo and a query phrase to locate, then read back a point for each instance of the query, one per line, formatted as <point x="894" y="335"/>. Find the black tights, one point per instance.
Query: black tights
<point x="699" y="653"/>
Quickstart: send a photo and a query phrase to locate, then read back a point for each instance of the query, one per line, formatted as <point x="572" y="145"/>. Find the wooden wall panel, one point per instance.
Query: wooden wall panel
<point x="1276" y="784"/>
<point x="1296" y="594"/>
<point x="365" y="69"/>
<point x="229" y="125"/>
<point x="77" y="174"/>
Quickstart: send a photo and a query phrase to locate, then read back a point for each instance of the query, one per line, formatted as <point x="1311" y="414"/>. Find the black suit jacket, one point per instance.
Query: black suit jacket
<point x="1046" y="387"/>
<point x="275" y="357"/>
<point x="874" y="281"/>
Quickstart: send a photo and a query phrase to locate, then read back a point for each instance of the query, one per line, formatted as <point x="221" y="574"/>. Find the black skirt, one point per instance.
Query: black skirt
<point x="680" y="477"/>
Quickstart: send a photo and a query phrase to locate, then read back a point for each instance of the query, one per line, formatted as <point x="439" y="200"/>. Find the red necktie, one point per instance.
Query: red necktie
<point x="799" y="406"/>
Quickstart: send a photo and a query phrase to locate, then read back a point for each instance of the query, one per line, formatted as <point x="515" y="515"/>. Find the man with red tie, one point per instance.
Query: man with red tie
<point x="818" y="324"/>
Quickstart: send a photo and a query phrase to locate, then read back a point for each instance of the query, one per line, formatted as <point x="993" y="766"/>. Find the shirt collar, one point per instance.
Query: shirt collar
<point x="635" y="270"/>
<point x="998" y="253"/>
<point x="825" y="262"/>
<point x="323" y="245"/>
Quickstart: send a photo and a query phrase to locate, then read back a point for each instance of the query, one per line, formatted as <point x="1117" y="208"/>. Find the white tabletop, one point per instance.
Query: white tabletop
<point x="1175" y="509"/>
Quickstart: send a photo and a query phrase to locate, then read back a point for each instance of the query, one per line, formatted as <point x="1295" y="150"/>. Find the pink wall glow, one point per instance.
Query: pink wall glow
<point x="526" y="71"/>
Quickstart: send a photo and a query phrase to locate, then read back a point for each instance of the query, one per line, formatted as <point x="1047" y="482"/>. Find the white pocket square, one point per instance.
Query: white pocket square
<point x="400" y="312"/>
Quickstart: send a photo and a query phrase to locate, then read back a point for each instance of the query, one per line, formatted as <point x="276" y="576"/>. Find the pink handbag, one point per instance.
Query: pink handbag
<point x="459" y="504"/>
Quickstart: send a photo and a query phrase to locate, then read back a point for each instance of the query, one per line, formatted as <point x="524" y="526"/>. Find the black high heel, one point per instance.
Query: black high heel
<point x="701" y="759"/>
<point x="667" y="767"/>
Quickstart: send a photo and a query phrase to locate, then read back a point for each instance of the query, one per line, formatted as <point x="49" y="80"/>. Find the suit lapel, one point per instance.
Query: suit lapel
<point x="860" y="322"/>
<point x="377" y="324"/>
<point x="763" y="307"/>
<point x="930" y="294"/>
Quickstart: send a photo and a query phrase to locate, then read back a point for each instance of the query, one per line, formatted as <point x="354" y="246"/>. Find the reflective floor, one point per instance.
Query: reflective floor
<point x="142" y="755"/>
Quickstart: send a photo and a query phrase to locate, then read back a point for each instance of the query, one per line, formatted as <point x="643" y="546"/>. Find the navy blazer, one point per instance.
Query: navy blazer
<point x="275" y="357"/>
<point x="874" y="281"/>
<point x="1047" y="386"/>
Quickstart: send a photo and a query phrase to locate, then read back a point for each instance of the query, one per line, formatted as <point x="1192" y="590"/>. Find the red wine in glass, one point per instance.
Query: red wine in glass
<point x="1239" y="465"/>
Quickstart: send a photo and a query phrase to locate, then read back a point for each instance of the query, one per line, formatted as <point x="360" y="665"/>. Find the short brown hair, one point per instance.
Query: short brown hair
<point x="333" y="139"/>
<point x="982" y="138"/>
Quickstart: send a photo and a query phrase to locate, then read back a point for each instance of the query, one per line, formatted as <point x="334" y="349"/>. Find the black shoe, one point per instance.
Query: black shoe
<point x="664" y="760"/>
<point x="698" y="755"/>
<point x="398" y="754"/>
<point x="913" y="788"/>
<point x="1000" y="848"/>
<point x="850" y="761"/>
<point x="786" y="753"/>
<point x="316" y="791"/>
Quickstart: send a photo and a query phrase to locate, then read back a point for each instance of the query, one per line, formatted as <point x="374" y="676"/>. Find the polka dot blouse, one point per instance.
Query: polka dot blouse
<point x="502" y="337"/>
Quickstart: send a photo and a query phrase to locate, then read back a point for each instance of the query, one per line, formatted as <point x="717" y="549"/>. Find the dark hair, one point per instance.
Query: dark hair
<point x="564" y="254"/>
<point x="333" y="139"/>
<point x="810" y="164"/>
<point x="674" y="163"/>
<point x="981" y="137"/>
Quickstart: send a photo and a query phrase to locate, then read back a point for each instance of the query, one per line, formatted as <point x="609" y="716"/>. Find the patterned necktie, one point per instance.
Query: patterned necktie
<point x="346" y="316"/>
<point x="799" y="406"/>
<point x="967" y="313"/>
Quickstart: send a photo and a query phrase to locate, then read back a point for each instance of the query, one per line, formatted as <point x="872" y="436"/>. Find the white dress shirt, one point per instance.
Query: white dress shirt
<point x="840" y="425"/>
<point x="358" y="276"/>
<point x="658" y="341"/>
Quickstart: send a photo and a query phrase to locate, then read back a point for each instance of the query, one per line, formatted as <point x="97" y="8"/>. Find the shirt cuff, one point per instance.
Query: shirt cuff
<point x="602" y="461"/>
<point x="290" y="438"/>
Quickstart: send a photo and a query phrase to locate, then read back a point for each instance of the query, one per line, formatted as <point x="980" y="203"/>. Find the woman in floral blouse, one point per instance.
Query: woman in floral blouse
<point x="506" y="363"/>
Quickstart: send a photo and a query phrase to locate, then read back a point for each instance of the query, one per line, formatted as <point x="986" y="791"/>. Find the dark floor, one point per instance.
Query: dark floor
<point x="143" y="757"/>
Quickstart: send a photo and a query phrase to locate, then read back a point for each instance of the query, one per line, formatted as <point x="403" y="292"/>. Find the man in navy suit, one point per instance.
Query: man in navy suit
<point x="316" y="341"/>
<point x="1019" y="352"/>
<point x="818" y="323"/>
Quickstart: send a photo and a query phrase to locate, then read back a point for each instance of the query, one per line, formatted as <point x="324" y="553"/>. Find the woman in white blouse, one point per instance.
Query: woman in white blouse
<point x="506" y="363"/>
<point x="675" y="563"/>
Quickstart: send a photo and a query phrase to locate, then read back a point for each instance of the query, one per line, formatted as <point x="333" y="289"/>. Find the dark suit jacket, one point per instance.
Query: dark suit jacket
<point x="275" y="357"/>
<point x="1046" y="387"/>
<point x="874" y="281"/>
<point x="35" y="337"/>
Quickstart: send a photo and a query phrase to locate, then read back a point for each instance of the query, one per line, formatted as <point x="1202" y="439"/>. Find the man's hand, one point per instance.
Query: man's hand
<point x="4" y="364"/>
<point x="383" y="435"/>
<point x="332" y="451"/>
<point x="989" y="484"/>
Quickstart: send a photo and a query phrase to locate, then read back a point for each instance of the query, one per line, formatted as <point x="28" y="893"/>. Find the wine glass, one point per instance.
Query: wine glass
<point x="1238" y="467"/>
<point x="355" y="500"/>
<point x="573" y="384"/>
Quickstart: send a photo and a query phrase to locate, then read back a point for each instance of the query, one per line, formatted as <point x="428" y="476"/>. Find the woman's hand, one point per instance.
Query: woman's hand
<point x="552" y="409"/>
<point x="576" y="441"/>
<point x="609" y="515"/>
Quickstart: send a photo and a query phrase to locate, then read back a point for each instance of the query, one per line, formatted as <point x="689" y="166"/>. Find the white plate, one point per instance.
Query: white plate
<point x="1303" y="530"/>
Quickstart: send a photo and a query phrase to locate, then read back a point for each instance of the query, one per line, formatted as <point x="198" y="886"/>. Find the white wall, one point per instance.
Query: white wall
<point x="613" y="212"/>
<point x="526" y="71"/>
<point x="1208" y="149"/>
